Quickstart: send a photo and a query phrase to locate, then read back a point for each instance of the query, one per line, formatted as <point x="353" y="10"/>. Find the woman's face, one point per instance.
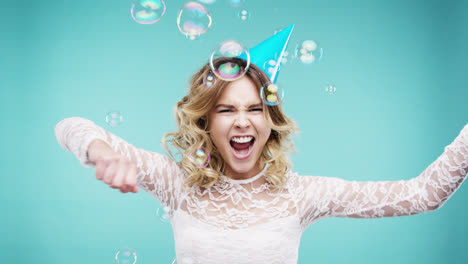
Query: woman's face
<point x="238" y="128"/>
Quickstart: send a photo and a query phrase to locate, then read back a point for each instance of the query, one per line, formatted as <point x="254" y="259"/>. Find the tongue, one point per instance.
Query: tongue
<point x="240" y="146"/>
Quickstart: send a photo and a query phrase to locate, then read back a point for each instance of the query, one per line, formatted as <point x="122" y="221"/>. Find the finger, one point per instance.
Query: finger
<point x="120" y="173"/>
<point x="101" y="166"/>
<point x="131" y="178"/>
<point x="110" y="173"/>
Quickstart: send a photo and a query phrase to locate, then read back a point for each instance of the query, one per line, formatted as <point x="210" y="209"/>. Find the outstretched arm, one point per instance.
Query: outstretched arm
<point x="335" y="197"/>
<point x="156" y="174"/>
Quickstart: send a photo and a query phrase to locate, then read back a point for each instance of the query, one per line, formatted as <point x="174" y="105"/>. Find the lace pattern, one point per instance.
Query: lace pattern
<point x="247" y="220"/>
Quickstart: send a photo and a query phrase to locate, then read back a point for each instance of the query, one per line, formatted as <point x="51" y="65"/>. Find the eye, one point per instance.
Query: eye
<point x="256" y="109"/>
<point x="224" y="111"/>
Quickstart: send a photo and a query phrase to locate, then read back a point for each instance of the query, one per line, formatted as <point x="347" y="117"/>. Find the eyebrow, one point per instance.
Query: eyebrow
<point x="231" y="106"/>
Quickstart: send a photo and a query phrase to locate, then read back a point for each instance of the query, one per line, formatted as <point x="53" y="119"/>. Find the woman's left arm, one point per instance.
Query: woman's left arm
<point x="335" y="197"/>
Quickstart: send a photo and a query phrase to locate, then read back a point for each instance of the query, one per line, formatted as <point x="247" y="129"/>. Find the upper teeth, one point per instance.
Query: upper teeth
<point x="241" y="139"/>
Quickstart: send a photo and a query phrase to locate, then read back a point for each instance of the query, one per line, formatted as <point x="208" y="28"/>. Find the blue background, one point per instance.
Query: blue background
<point x="401" y="77"/>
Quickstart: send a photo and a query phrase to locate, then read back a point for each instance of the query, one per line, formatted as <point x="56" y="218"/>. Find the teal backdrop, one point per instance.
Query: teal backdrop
<point x="400" y="71"/>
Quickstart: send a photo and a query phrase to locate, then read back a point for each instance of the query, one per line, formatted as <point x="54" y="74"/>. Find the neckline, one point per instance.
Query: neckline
<point x="249" y="180"/>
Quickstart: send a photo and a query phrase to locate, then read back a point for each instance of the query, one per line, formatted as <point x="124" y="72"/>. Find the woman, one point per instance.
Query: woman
<point x="246" y="205"/>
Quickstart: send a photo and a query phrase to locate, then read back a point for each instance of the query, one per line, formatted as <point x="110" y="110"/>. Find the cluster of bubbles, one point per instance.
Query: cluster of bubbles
<point x="114" y="118"/>
<point x="271" y="94"/>
<point x="193" y="18"/>
<point x="126" y="256"/>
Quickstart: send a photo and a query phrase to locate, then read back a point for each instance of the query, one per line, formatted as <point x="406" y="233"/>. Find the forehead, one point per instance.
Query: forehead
<point x="240" y="92"/>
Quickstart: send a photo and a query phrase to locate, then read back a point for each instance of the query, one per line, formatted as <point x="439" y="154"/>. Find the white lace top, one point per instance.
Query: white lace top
<point x="246" y="221"/>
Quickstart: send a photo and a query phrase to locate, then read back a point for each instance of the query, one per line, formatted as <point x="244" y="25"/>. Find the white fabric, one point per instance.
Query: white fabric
<point x="245" y="221"/>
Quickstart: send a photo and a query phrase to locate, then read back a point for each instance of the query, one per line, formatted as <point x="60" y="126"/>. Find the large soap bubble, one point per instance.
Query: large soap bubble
<point x="224" y="62"/>
<point x="148" y="11"/>
<point x="308" y="52"/>
<point x="193" y="20"/>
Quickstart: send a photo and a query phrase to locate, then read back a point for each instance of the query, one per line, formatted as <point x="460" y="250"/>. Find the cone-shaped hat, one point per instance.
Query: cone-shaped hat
<point x="271" y="49"/>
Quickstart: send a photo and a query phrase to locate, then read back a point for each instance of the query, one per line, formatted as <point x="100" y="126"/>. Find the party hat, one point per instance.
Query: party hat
<point x="270" y="50"/>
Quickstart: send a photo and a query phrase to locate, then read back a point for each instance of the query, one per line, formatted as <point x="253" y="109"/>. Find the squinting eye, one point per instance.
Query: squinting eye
<point x="225" y="110"/>
<point x="257" y="109"/>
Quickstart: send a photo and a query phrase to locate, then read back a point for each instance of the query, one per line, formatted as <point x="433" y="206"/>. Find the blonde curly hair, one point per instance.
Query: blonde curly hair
<point x="191" y="116"/>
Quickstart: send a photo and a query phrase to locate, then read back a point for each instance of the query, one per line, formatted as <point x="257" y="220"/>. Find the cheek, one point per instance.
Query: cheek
<point x="262" y="127"/>
<point x="218" y="130"/>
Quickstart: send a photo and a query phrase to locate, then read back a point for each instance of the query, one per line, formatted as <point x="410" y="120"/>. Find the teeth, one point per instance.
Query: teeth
<point x="241" y="139"/>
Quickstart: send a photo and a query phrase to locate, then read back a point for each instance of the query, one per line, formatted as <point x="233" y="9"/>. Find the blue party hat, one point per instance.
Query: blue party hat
<point x="271" y="49"/>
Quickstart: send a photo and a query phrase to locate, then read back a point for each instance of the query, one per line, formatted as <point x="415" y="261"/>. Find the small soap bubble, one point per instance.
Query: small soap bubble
<point x="126" y="256"/>
<point x="271" y="94"/>
<point x="209" y="80"/>
<point x="114" y="118"/>
<point x="231" y="68"/>
<point x="148" y="11"/>
<point x="286" y="58"/>
<point x="236" y="3"/>
<point x="201" y="158"/>
<point x="163" y="214"/>
<point x="193" y="20"/>
<point x="308" y="52"/>
<point x="270" y="66"/>
<point x="330" y="89"/>
<point x="243" y="15"/>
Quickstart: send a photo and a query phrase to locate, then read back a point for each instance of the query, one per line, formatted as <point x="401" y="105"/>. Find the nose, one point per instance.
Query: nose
<point x="242" y="120"/>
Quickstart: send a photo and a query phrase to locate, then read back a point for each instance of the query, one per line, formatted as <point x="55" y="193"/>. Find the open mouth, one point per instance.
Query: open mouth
<point x="242" y="146"/>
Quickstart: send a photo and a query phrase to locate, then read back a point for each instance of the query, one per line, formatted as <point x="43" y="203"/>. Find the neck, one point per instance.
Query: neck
<point x="242" y="175"/>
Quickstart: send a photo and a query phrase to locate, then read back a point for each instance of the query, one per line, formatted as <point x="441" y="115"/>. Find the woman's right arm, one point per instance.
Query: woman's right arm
<point x="156" y="174"/>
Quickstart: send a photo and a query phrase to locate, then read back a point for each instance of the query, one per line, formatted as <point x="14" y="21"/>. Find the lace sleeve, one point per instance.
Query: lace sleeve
<point x="335" y="197"/>
<point x="158" y="175"/>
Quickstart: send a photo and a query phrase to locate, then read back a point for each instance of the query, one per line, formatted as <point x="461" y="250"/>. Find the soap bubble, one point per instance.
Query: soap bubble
<point x="270" y="66"/>
<point x="163" y="214"/>
<point x="330" y="89"/>
<point x="231" y="68"/>
<point x="244" y="15"/>
<point x="209" y="80"/>
<point x="126" y="256"/>
<point x="193" y="20"/>
<point x="308" y="52"/>
<point x="201" y="158"/>
<point x="148" y="11"/>
<point x="235" y="3"/>
<point x="271" y="94"/>
<point x="114" y="118"/>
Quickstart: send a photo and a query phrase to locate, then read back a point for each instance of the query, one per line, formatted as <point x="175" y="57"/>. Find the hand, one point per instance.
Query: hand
<point x="117" y="171"/>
